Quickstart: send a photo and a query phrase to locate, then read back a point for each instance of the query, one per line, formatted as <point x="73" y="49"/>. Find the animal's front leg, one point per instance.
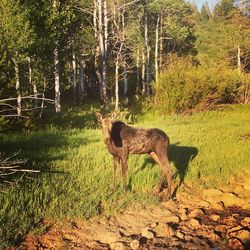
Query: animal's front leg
<point x="124" y="171"/>
<point x="116" y="165"/>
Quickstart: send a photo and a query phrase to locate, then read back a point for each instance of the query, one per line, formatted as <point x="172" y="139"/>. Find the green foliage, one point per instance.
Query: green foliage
<point x="181" y="89"/>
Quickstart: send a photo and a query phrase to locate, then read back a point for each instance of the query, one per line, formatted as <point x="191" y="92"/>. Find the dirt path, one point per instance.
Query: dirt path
<point x="218" y="219"/>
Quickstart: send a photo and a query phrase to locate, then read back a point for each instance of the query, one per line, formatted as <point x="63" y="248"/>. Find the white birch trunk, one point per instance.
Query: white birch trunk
<point x="148" y="69"/>
<point x="18" y="89"/>
<point x="161" y="42"/>
<point x="43" y="96"/>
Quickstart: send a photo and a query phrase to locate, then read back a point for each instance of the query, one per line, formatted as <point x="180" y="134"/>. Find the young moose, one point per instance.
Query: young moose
<point x="123" y="140"/>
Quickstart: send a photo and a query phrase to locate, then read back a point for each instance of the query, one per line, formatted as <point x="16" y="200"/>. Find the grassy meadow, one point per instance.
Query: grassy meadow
<point x="76" y="176"/>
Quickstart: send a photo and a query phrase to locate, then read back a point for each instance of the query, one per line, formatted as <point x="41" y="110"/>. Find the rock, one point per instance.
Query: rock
<point x="245" y="222"/>
<point x="183" y="214"/>
<point x="180" y="234"/>
<point x="196" y="213"/>
<point x="173" y="219"/>
<point x="117" y="246"/>
<point x="194" y="223"/>
<point x="164" y="230"/>
<point x="234" y="229"/>
<point x="212" y="192"/>
<point x="215" y="217"/>
<point x="108" y="237"/>
<point x="214" y="237"/>
<point x="134" y="244"/>
<point x="203" y="203"/>
<point x="235" y="244"/>
<point x="147" y="233"/>
<point x="241" y="234"/>
<point x="218" y="206"/>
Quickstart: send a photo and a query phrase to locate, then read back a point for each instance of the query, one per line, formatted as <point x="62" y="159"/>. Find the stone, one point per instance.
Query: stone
<point x="108" y="237"/>
<point x="173" y="219"/>
<point x="196" y="213"/>
<point x="217" y="206"/>
<point x="204" y="204"/>
<point x="245" y="222"/>
<point x="117" y="246"/>
<point x="212" y="192"/>
<point x="241" y="234"/>
<point x="180" y="234"/>
<point x="215" y="217"/>
<point x="147" y="233"/>
<point x="194" y="222"/>
<point x="164" y="230"/>
<point x="235" y="244"/>
<point x="134" y="244"/>
<point x="183" y="214"/>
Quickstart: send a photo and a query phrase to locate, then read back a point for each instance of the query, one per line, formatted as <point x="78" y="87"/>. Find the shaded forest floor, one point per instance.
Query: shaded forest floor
<point x="216" y="219"/>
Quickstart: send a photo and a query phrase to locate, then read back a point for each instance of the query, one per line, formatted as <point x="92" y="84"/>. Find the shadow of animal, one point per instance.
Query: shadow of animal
<point x="122" y="140"/>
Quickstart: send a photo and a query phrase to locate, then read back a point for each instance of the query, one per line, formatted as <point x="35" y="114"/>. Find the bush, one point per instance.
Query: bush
<point x="197" y="88"/>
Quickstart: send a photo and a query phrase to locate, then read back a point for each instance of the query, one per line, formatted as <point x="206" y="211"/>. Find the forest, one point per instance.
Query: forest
<point x="169" y="53"/>
<point x="153" y="63"/>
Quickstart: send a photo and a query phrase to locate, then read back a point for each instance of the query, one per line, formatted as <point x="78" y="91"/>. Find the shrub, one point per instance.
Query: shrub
<point x="197" y="88"/>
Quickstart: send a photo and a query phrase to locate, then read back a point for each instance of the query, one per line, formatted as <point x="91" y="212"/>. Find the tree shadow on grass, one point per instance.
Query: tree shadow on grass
<point x="40" y="150"/>
<point x="180" y="156"/>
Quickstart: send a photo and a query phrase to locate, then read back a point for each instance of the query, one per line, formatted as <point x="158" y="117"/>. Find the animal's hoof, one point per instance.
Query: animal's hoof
<point x="156" y="190"/>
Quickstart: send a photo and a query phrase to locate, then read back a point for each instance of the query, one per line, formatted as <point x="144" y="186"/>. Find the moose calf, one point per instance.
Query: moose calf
<point x="123" y="140"/>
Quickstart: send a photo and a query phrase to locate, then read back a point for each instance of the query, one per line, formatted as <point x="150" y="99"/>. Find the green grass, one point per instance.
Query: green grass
<point x="77" y="171"/>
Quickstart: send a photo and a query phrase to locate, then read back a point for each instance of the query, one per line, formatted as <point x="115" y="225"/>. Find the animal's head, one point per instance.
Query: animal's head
<point x="106" y="124"/>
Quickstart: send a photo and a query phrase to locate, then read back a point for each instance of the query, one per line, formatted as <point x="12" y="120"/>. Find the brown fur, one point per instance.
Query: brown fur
<point x="123" y="140"/>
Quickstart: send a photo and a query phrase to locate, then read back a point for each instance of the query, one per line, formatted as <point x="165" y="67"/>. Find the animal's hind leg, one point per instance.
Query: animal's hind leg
<point x="116" y="165"/>
<point x="158" y="187"/>
<point x="124" y="160"/>
<point x="163" y="159"/>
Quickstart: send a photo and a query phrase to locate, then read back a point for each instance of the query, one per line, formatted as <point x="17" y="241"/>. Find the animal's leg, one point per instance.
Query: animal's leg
<point x="165" y="168"/>
<point x="124" y="171"/>
<point x="158" y="187"/>
<point x="116" y="165"/>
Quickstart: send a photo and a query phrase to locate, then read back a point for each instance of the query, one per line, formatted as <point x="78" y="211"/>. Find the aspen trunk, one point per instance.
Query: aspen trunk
<point x="18" y="89"/>
<point x="33" y="84"/>
<point x="156" y="48"/>
<point x="57" y="82"/>
<point x="138" y="71"/>
<point x="161" y="42"/>
<point x="117" y="83"/>
<point x="81" y="80"/>
<point x="74" y="71"/>
<point x="239" y="60"/>
<point x="43" y="96"/>
<point x="148" y="48"/>
<point x="143" y="74"/>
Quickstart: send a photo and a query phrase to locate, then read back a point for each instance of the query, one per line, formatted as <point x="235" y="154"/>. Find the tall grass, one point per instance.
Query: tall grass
<point x="77" y="171"/>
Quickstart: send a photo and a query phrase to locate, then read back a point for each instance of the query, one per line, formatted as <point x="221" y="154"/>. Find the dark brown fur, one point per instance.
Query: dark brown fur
<point x="123" y="140"/>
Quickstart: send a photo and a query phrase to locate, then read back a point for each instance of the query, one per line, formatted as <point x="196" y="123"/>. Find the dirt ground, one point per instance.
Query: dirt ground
<point x="217" y="219"/>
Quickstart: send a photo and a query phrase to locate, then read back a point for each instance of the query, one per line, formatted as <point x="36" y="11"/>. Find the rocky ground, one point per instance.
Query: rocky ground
<point x="217" y="219"/>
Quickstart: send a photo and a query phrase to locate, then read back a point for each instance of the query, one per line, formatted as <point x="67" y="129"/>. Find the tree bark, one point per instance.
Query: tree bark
<point x="117" y="83"/>
<point x="143" y="74"/>
<point x="74" y="71"/>
<point x="148" y="48"/>
<point x="33" y="84"/>
<point x="137" y="71"/>
<point x="157" y="48"/>
<point x="57" y="82"/>
<point x="81" y="80"/>
<point x="239" y="59"/>
<point x="18" y="89"/>
<point x="161" y="42"/>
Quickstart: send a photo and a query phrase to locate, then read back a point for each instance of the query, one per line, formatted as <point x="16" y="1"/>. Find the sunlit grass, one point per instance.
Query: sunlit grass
<point x="77" y="171"/>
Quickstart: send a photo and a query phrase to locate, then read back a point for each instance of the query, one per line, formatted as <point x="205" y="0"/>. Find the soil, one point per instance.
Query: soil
<point x="217" y="219"/>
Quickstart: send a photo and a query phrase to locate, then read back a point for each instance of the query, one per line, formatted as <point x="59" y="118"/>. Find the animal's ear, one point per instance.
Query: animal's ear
<point x="98" y="116"/>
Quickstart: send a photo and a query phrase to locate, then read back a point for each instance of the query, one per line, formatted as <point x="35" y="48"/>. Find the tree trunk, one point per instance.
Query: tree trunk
<point x="161" y="42"/>
<point x="43" y="96"/>
<point x="74" y="74"/>
<point x="117" y="83"/>
<point x="18" y="89"/>
<point x="137" y="71"/>
<point x="148" y="66"/>
<point x="156" y="48"/>
<point x="239" y="60"/>
<point x="81" y="80"/>
<point x="57" y="82"/>
<point x="143" y="74"/>
<point x="33" y="84"/>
